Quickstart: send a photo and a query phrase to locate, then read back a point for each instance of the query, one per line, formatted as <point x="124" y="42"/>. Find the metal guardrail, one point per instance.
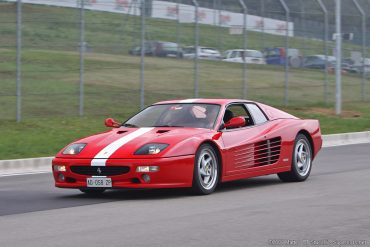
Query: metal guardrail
<point x="283" y="20"/>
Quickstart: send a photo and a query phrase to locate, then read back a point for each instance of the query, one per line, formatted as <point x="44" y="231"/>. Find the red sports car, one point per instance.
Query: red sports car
<point x="194" y="143"/>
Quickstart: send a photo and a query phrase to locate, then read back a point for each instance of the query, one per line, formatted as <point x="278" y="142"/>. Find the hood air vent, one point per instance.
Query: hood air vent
<point x="121" y="132"/>
<point x="162" y="131"/>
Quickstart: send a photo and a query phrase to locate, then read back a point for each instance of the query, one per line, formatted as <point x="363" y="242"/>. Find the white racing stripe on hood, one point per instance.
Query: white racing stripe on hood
<point x="101" y="158"/>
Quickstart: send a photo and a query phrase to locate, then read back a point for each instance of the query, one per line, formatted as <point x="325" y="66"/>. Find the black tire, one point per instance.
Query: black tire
<point x="300" y="170"/>
<point x="295" y="62"/>
<point x="206" y="170"/>
<point x="92" y="191"/>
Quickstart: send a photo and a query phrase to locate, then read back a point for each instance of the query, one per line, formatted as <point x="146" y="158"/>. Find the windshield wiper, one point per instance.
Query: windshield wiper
<point x="130" y="125"/>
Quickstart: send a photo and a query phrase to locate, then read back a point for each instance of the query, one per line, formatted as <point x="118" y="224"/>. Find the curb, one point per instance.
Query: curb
<point x="25" y="166"/>
<point x="43" y="165"/>
<point x="346" y="139"/>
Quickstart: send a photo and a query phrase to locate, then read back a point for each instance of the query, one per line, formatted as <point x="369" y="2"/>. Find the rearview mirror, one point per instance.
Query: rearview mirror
<point x="235" y="122"/>
<point x="111" y="123"/>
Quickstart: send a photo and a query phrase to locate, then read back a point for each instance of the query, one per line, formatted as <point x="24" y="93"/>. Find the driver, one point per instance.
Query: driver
<point x="228" y="115"/>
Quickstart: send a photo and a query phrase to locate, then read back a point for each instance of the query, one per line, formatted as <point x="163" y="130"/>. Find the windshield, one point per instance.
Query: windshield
<point x="313" y="60"/>
<point x="208" y="50"/>
<point x="272" y="52"/>
<point x="176" y="115"/>
<point x="170" y="46"/>
<point x="189" y="50"/>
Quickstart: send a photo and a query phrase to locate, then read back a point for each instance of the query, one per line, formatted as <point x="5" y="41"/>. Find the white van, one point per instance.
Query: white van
<point x="208" y="53"/>
<point x="250" y="56"/>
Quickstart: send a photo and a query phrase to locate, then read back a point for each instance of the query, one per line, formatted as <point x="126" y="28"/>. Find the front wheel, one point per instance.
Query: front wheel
<point x="301" y="161"/>
<point x="206" y="170"/>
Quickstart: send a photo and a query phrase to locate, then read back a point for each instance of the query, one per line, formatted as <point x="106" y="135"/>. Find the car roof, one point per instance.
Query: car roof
<point x="201" y="47"/>
<point x="204" y="101"/>
<point x="271" y="112"/>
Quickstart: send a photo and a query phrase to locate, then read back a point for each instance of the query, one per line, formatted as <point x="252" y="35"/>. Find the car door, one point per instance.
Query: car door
<point x="256" y="57"/>
<point x="234" y="56"/>
<point x="250" y="147"/>
<point x="238" y="57"/>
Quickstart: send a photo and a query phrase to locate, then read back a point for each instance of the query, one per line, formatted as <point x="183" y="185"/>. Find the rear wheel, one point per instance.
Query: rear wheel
<point x="92" y="191"/>
<point x="295" y="62"/>
<point x="301" y="161"/>
<point x="206" y="170"/>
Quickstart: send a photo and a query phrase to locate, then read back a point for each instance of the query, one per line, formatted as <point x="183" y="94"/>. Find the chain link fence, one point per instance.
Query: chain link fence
<point x="95" y="57"/>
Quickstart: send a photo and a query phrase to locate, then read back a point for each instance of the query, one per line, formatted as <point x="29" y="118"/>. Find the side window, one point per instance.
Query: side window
<point x="237" y="110"/>
<point x="235" y="54"/>
<point x="257" y="114"/>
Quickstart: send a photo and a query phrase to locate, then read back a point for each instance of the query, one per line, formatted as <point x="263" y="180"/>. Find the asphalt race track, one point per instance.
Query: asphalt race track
<point x="333" y="205"/>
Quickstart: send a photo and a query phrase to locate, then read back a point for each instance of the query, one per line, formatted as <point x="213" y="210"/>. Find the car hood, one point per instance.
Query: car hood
<point x="124" y="142"/>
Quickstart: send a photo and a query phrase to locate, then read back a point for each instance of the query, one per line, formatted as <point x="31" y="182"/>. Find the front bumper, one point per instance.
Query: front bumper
<point x="173" y="172"/>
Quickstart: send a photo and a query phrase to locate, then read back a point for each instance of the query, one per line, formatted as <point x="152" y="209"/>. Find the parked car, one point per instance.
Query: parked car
<point x="159" y="49"/>
<point x="318" y="61"/>
<point x="344" y="69"/>
<point x="196" y="143"/>
<point x="276" y="55"/>
<point x="358" y="67"/>
<point x="203" y="53"/>
<point x="239" y="56"/>
<point x="148" y="49"/>
<point x="347" y="66"/>
<point x="366" y="67"/>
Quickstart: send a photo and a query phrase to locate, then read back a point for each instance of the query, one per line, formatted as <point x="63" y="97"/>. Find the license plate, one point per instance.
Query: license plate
<point x="99" y="182"/>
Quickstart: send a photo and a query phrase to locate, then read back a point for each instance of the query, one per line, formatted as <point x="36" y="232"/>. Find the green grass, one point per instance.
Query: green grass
<point x="50" y="83"/>
<point x="50" y="76"/>
<point x="50" y="102"/>
<point x="45" y="136"/>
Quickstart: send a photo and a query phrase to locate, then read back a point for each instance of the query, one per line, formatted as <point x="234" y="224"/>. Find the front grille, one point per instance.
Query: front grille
<point x="100" y="170"/>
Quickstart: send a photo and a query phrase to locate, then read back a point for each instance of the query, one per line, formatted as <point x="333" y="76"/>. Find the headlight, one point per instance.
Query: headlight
<point x="74" y="148"/>
<point x="151" y="148"/>
<point x="147" y="169"/>
<point x="58" y="168"/>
